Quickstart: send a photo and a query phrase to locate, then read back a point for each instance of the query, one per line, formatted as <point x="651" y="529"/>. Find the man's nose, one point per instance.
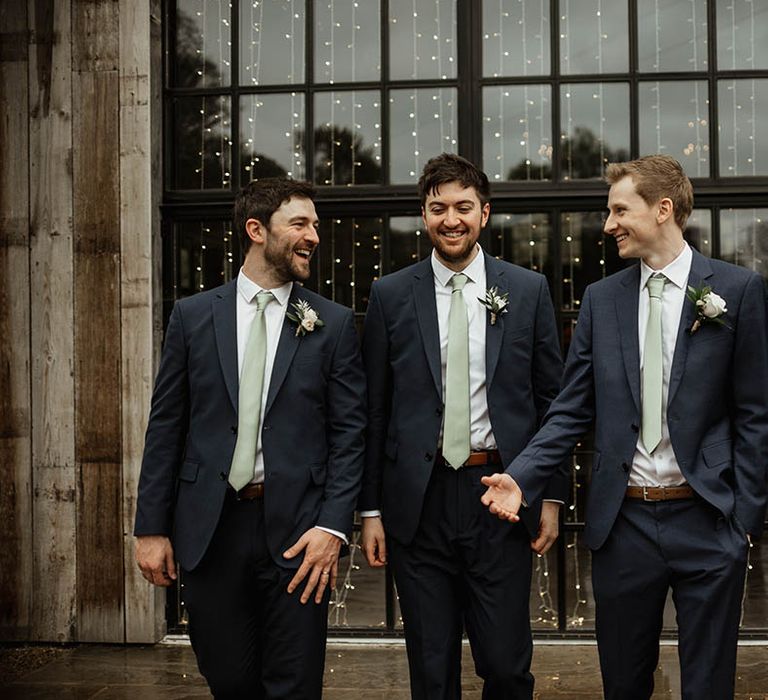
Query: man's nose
<point x="610" y="225"/>
<point x="451" y="218"/>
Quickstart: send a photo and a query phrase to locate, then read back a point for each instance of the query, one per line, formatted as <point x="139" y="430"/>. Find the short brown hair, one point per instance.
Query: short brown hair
<point x="262" y="198"/>
<point x="448" y="167"/>
<point x="656" y="177"/>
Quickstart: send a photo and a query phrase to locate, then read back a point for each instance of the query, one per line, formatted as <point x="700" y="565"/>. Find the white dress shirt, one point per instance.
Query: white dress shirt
<point x="661" y="467"/>
<point x="274" y="315"/>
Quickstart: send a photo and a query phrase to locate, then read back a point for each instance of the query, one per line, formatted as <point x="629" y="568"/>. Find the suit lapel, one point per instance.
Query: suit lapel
<point x="626" y="315"/>
<point x="224" y="309"/>
<point x="700" y="271"/>
<point x="286" y="348"/>
<point x="494" y="333"/>
<point x="426" y="315"/>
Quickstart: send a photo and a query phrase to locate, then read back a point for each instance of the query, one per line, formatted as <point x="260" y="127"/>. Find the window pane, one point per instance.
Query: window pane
<point x="587" y="254"/>
<point x="593" y="36"/>
<point x="594" y="128"/>
<point x="422" y="39"/>
<point x="515" y="38"/>
<point x="698" y="231"/>
<point x="522" y="239"/>
<point x="347" y="40"/>
<point x="743" y="137"/>
<point x="347" y="138"/>
<point x="359" y="597"/>
<point x="674" y="119"/>
<point x="672" y="35"/>
<point x="207" y="255"/>
<point x="744" y="238"/>
<point x="202" y="52"/>
<point x="348" y="259"/>
<point x="272" y="133"/>
<point x="408" y="241"/>
<point x="422" y="124"/>
<point x="579" y="599"/>
<point x="517" y="132"/>
<point x="742" y="35"/>
<point x="202" y="146"/>
<point x="271" y="42"/>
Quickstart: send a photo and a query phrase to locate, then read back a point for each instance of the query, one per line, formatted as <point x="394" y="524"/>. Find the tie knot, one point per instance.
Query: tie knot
<point x="458" y="281"/>
<point x="262" y="299"/>
<point x="655" y="285"/>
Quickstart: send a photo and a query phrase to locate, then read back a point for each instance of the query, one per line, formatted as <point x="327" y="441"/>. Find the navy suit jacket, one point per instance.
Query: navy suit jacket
<point x="401" y="351"/>
<point x="312" y="436"/>
<point x="717" y="409"/>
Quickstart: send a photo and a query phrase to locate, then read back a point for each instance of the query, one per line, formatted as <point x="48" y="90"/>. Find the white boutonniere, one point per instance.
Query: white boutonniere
<point x="495" y="303"/>
<point x="305" y="318"/>
<point x="709" y="307"/>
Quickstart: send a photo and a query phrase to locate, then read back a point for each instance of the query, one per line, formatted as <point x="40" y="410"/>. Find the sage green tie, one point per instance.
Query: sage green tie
<point x="456" y="428"/>
<point x="653" y="370"/>
<point x="249" y="397"/>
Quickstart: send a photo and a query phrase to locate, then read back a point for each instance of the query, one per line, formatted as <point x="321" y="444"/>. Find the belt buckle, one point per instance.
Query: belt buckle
<point x="645" y="495"/>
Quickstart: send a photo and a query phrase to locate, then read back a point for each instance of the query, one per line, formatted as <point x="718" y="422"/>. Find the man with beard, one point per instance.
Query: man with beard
<point x="462" y="358"/>
<point x="253" y="457"/>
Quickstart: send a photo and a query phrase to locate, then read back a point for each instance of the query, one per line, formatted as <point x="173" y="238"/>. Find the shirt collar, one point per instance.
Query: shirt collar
<point x="676" y="272"/>
<point x="474" y="271"/>
<point x="248" y="289"/>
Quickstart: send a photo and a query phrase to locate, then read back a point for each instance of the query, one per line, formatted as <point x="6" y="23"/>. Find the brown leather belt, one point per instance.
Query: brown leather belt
<point x="475" y="459"/>
<point x="251" y="492"/>
<point x="660" y="493"/>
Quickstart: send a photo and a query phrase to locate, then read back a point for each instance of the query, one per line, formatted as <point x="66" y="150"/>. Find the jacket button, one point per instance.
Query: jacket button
<point x="635" y="428"/>
<point x="233" y="429"/>
<point x="266" y="427"/>
<point x="439" y="411"/>
<point x="428" y="457"/>
<point x="223" y="476"/>
<point x="625" y="466"/>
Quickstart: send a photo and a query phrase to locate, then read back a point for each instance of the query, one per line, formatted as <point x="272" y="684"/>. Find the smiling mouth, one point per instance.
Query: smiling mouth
<point x="621" y="237"/>
<point x="305" y="253"/>
<point x="453" y="235"/>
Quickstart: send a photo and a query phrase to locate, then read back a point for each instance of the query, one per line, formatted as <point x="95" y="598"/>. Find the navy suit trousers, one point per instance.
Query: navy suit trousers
<point x="465" y="568"/>
<point x="686" y="546"/>
<point x="251" y="638"/>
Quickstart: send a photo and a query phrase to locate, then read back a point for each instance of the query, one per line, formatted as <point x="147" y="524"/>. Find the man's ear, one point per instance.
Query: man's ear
<point x="256" y="231"/>
<point x="666" y="210"/>
<point x="485" y="214"/>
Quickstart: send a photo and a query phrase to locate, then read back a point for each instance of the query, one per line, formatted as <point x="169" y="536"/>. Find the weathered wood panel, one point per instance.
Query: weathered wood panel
<point x="97" y="350"/>
<point x="51" y="338"/>
<point x="96" y="36"/>
<point x="15" y="406"/>
<point x="140" y="100"/>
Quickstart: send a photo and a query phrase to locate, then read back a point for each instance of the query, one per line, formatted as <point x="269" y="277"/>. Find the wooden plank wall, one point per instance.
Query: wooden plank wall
<point x="79" y="221"/>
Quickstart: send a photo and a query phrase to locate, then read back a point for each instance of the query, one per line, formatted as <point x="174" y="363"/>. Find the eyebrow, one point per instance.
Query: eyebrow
<point x="440" y="203"/>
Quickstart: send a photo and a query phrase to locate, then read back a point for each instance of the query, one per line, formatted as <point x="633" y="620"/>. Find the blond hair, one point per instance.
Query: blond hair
<point x="656" y="177"/>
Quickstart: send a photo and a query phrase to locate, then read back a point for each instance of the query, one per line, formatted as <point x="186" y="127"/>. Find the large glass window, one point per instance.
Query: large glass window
<point x="356" y="95"/>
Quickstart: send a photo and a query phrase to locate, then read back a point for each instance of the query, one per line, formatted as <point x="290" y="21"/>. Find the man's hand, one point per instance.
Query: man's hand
<point x="549" y="527"/>
<point x="154" y="555"/>
<point x="503" y="496"/>
<point x="374" y="542"/>
<point x="321" y="562"/>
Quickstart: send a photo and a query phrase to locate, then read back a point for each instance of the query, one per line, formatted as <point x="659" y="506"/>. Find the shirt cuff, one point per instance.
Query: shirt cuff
<point x="553" y="500"/>
<point x="370" y="513"/>
<point x="338" y="534"/>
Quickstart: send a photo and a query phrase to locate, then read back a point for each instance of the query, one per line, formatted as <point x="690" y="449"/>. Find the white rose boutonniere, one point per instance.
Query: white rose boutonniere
<point x="495" y="303"/>
<point x="305" y="318"/>
<point x="709" y="307"/>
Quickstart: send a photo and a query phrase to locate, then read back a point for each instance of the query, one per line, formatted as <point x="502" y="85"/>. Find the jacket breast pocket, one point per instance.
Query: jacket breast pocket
<point x="188" y="471"/>
<point x="517" y="334"/>
<point x="717" y="454"/>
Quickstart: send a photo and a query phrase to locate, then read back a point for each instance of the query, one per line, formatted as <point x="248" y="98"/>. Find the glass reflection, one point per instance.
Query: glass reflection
<point x="207" y="255"/>
<point x="348" y="259"/>
<point x="743" y="136"/>
<point x="515" y="38"/>
<point x="698" y="231"/>
<point x="593" y="37"/>
<point x="672" y="35"/>
<point x="517" y="132"/>
<point x="408" y="241"/>
<point x="594" y="128"/>
<point x="346" y="40"/>
<point x="744" y="238"/>
<point x="272" y="136"/>
<point x="579" y="600"/>
<point x="202" y="142"/>
<point x="674" y="119"/>
<point x="742" y="35"/>
<point x="271" y="42"/>
<point x="543" y="595"/>
<point x="422" y="39"/>
<point x="347" y="138"/>
<point x="522" y="239"/>
<point x="201" y="56"/>
<point x="422" y="124"/>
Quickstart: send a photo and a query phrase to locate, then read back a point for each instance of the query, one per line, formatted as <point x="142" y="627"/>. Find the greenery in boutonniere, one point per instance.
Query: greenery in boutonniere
<point x="495" y="303"/>
<point x="305" y="318"/>
<point x="709" y="307"/>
